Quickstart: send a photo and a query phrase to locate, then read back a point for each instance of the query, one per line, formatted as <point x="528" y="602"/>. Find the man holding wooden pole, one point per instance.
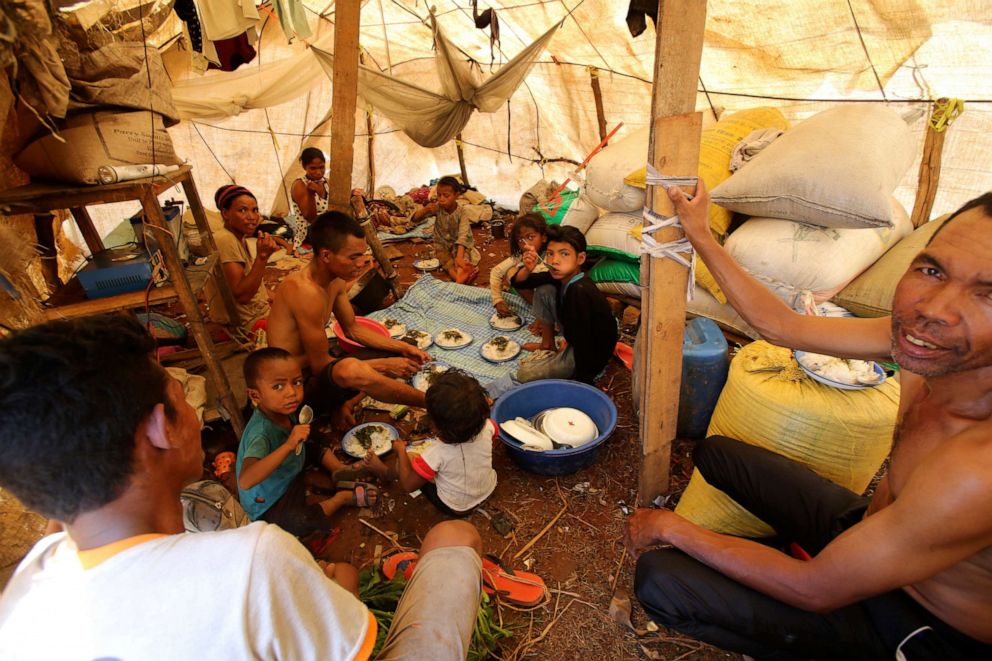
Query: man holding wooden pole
<point x="906" y="574"/>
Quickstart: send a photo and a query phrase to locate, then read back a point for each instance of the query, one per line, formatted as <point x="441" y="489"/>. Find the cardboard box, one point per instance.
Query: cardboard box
<point x="98" y="138"/>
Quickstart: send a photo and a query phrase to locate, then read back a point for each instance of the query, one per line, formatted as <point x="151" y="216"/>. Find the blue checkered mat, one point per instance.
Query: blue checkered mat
<point x="432" y="305"/>
<point x="422" y="231"/>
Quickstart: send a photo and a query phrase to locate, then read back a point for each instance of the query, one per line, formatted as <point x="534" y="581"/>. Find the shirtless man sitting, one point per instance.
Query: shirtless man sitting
<point x="906" y="575"/>
<point x="303" y="306"/>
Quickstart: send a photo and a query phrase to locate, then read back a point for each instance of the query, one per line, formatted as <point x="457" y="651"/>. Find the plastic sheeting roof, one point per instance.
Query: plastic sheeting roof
<point x="799" y="55"/>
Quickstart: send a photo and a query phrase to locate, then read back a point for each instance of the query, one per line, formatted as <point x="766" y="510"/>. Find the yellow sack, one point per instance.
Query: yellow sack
<point x="716" y="144"/>
<point x="842" y="435"/>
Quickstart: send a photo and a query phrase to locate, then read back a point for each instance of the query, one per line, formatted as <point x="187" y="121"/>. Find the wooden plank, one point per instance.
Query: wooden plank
<point x="674" y="150"/>
<point x="187" y="300"/>
<point x="929" y="177"/>
<point x="230" y="315"/>
<point x="344" y="99"/>
<point x="39" y="198"/>
<point x="87" y="229"/>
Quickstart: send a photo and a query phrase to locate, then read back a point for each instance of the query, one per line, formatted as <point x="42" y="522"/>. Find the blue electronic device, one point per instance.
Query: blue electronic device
<point x="116" y="271"/>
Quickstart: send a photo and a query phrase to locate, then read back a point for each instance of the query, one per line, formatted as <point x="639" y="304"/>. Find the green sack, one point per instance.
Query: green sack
<point x="614" y="270"/>
<point x="567" y="198"/>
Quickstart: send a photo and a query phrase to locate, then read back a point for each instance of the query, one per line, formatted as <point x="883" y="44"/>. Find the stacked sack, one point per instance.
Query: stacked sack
<point x="615" y="181"/>
<point x="821" y="207"/>
<point x="768" y="401"/>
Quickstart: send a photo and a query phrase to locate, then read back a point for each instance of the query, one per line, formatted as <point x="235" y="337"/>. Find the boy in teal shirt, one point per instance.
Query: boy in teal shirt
<point x="272" y="482"/>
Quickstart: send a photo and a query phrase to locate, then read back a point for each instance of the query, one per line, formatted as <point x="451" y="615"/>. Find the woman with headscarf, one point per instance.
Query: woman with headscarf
<point x="244" y="272"/>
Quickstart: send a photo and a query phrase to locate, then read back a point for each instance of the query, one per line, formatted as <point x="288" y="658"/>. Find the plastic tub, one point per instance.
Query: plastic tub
<point x="351" y="347"/>
<point x="529" y="399"/>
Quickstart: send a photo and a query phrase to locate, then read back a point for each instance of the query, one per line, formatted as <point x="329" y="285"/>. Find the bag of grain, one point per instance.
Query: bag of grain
<point x="768" y="401"/>
<point x="836" y="169"/>
<point x="616" y="277"/>
<point x="571" y="207"/>
<point x="871" y="293"/>
<point x="92" y="139"/>
<point x="716" y="145"/>
<point x="606" y="171"/>
<point x="791" y="258"/>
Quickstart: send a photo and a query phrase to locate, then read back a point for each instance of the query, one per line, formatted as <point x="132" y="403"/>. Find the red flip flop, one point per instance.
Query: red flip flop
<point x="515" y="587"/>
<point x="625" y="354"/>
<point x="399" y="563"/>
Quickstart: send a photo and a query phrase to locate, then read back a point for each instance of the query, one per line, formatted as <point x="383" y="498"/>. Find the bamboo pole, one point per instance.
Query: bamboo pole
<point x="461" y="158"/>
<point x="597" y="95"/>
<point x="370" y="182"/>
<point x="674" y="150"/>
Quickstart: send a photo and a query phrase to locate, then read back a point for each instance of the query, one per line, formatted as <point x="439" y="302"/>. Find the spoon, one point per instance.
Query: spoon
<point x="306" y="417"/>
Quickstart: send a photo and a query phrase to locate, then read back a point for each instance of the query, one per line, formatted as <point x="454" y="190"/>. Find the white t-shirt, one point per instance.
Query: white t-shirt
<point x="462" y="472"/>
<point x="248" y="593"/>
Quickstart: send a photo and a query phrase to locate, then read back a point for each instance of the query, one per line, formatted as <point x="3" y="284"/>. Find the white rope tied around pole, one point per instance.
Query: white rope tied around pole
<point x="673" y="250"/>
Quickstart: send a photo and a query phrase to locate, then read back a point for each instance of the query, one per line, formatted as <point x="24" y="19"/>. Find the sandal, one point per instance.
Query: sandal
<point x="363" y="494"/>
<point x="518" y="588"/>
<point x="399" y="563"/>
<point x="515" y="587"/>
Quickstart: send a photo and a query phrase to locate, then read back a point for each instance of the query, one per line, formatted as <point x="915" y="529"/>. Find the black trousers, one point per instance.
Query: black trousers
<point x="684" y="594"/>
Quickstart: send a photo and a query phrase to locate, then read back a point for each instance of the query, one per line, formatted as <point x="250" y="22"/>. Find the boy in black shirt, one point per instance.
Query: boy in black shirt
<point x="584" y="316"/>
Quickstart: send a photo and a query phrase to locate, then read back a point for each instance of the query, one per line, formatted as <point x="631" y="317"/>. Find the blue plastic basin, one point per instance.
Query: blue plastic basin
<point x="529" y="399"/>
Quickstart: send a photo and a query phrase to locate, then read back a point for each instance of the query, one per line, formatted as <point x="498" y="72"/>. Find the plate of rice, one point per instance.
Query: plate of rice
<point x="500" y="349"/>
<point x="428" y="372"/>
<point x="452" y="338"/>
<point x="842" y="373"/>
<point x="427" y="264"/>
<point x="417" y="338"/>
<point x="375" y="436"/>
<point x="511" y="323"/>
<point x="395" y="328"/>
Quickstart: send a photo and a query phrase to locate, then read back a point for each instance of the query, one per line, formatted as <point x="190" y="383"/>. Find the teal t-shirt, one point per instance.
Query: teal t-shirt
<point x="260" y="438"/>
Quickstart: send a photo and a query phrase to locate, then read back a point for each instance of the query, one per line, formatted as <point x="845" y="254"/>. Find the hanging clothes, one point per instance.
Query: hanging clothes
<point x="292" y="18"/>
<point x="232" y="53"/>
<point x="226" y="19"/>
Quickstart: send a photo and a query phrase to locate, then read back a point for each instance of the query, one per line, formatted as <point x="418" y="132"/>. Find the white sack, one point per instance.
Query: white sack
<point x="604" y="175"/>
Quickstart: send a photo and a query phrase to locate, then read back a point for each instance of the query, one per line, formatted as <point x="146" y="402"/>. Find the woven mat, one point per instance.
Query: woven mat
<point x="422" y="231"/>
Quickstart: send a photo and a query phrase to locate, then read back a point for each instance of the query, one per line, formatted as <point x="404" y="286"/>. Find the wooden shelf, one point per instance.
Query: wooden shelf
<point x="70" y="301"/>
<point x="184" y="282"/>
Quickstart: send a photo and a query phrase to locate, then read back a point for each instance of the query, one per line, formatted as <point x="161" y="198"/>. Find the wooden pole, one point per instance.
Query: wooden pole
<point x="929" y="178"/>
<point x="370" y="182"/>
<point x="188" y="302"/>
<point x="461" y="158"/>
<point x="344" y="101"/>
<point x="674" y="150"/>
<point x="597" y="95"/>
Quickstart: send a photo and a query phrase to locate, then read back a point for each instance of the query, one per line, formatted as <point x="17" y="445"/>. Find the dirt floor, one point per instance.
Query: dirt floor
<point x="578" y="519"/>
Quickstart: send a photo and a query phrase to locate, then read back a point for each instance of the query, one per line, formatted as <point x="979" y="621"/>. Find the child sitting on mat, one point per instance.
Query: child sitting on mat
<point x="272" y="482"/>
<point x="583" y="312"/>
<point x="528" y="238"/>
<point x="457" y="473"/>
<point x="453" y="241"/>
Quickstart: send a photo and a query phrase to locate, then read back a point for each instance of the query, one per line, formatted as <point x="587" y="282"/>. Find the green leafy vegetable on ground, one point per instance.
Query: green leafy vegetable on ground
<point x="382" y="596"/>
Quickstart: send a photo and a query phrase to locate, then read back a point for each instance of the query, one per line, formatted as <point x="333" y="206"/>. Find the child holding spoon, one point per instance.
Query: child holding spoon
<point x="270" y="467"/>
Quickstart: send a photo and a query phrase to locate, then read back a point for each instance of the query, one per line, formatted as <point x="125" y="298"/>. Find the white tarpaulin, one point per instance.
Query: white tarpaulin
<point x="801" y="56"/>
